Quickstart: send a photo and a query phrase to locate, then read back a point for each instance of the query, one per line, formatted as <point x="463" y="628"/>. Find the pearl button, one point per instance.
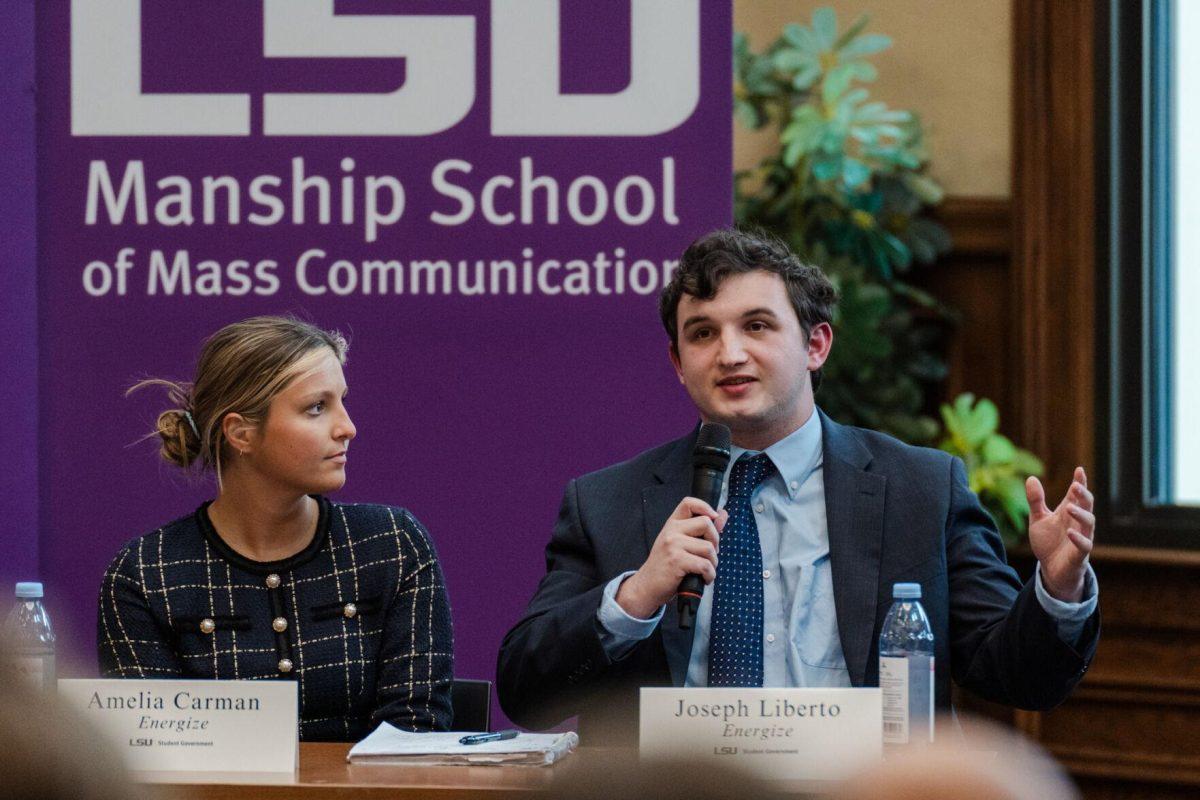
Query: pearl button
<point x="273" y="581"/>
<point x="207" y="626"/>
<point x="285" y="665"/>
<point x="279" y="624"/>
<point x="350" y="611"/>
<point x="770" y="637"/>
<point x="766" y="574"/>
<point x="794" y="485"/>
<point x="759" y="508"/>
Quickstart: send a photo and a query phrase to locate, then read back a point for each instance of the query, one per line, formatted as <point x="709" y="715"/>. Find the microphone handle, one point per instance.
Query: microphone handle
<point x="706" y="485"/>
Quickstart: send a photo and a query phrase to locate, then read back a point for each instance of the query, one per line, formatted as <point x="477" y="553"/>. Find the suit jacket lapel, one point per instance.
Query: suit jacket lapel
<point x="674" y="480"/>
<point x="854" y="501"/>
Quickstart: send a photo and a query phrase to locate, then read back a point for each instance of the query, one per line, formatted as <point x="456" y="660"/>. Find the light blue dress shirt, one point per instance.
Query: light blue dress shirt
<point x="801" y="645"/>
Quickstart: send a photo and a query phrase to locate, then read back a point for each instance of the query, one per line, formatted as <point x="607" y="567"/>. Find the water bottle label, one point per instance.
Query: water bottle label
<point x="908" y="698"/>
<point x="893" y="680"/>
<point x="31" y="671"/>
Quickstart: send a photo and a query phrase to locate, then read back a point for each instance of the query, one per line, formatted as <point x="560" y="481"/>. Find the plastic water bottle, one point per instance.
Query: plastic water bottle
<point x="29" y="639"/>
<point x="906" y="669"/>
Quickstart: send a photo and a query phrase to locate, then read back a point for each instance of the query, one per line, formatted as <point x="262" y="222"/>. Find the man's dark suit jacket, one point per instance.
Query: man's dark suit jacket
<point x="895" y="513"/>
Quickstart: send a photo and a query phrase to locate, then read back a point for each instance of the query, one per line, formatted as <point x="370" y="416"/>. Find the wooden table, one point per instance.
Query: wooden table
<point x="324" y="773"/>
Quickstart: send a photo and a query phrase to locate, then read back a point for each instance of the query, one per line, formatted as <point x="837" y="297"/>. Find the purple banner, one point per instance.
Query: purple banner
<point x="486" y="197"/>
<point x="18" y="292"/>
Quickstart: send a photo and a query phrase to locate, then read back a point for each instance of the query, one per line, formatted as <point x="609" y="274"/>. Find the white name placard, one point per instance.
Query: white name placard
<point x="193" y="725"/>
<point x="776" y="734"/>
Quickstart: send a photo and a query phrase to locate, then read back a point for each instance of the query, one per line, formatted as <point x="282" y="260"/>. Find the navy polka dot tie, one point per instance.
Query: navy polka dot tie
<point x="735" y="652"/>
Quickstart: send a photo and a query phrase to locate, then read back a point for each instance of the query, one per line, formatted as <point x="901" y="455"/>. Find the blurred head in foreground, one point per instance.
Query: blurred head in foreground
<point x="988" y="763"/>
<point x="618" y="773"/>
<point x="48" y="752"/>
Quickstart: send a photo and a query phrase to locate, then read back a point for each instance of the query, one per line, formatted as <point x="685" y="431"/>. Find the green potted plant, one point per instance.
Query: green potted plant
<point x="996" y="468"/>
<point x="847" y="188"/>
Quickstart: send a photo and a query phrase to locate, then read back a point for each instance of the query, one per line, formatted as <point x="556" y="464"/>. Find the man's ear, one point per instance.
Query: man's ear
<point x="820" y="342"/>
<point x="673" y="353"/>
<point x="239" y="432"/>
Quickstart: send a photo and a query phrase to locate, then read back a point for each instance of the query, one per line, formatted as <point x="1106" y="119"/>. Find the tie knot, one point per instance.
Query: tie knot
<point x="748" y="472"/>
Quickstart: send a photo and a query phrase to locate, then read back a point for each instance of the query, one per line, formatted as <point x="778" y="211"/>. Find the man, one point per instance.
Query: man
<point x="826" y="518"/>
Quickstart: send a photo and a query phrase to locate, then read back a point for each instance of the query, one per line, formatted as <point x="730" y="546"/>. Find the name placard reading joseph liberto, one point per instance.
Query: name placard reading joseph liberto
<point x="221" y="726"/>
<point x="777" y="734"/>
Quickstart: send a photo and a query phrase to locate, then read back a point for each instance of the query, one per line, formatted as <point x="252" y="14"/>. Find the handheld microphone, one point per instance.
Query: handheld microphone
<point x="710" y="457"/>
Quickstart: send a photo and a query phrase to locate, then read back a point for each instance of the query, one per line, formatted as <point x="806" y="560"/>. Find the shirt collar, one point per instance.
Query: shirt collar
<point x="795" y="456"/>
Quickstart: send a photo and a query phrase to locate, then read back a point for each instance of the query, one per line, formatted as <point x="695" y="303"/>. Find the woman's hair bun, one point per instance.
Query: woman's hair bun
<point x="180" y="443"/>
<point x="180" y="438"/>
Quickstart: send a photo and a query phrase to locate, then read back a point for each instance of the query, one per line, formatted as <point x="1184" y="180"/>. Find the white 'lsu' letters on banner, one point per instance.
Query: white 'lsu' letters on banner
<point x="439" y="85"/>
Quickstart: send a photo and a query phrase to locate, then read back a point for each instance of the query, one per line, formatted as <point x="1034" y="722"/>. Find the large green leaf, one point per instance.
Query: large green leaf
<point x="825" y="27"/>
<point x="849" y="102"/>
<point x="792" y="152"/>
<point x="789" y="59"/>
<point x="800" y="37"/>
<point x="924" y="187"/>
<point x="854" y="172"/>
<point x="827" y="168"/>
<point x="806" y="76"/>
<point x="998" y="450"/>
<point x="746" y="114"/>
<point x="1027" y="463"/>
<point x="865" y="45"/>
<point x="807" y="127"/>
<point x="1011" y="492"/>
<point x="837" y="82"/>
<point x="980" y="422"/>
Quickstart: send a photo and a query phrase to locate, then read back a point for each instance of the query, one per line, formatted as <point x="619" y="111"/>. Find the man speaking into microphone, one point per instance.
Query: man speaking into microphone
<point x="797" y="556"/>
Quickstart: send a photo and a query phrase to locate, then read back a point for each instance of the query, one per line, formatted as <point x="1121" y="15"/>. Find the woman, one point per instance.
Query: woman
<point x="270" y="579"/>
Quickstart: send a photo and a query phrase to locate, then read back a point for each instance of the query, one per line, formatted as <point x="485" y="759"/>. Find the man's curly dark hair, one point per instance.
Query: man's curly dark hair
<point x="731" y="251"/>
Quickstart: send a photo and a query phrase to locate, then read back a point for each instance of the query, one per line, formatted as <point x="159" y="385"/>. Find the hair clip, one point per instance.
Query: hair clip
<point x="187" y="415"/>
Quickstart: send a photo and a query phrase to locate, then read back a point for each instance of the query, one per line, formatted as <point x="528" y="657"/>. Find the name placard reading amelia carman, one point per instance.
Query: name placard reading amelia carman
<point x="171" y="725"/>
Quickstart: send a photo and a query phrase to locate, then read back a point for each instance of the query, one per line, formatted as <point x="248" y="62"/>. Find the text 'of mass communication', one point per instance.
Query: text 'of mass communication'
<point x="371" y="204"/>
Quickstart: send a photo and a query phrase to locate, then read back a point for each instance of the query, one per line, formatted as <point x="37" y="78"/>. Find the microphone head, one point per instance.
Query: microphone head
<point x="712" y="446"/>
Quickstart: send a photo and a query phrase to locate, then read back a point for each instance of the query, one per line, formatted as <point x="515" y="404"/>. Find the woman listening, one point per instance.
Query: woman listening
<point x="271" y="580"/>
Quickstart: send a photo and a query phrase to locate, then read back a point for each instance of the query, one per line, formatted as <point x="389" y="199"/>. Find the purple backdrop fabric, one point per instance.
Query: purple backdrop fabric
<point x="18" y="297"/>
<point x="472" y="410"/>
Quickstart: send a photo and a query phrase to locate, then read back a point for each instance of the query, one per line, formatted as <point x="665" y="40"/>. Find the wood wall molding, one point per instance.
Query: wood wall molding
<point x="1149" y="556"/>
<point x="974" y="279"/>
<point x="1132" y="727"/>
<point x="979" y="226"/>
<point x="1149" y="735"/>
<point x="1053" y="214"/>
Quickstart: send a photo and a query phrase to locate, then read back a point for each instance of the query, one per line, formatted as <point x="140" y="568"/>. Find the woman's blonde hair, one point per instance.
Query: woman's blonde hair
<point x="241" y="369"/>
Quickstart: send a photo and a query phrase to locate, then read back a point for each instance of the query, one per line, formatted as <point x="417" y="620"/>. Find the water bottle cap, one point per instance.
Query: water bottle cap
<point x="29" y="590"/>
<point x="906" y="591"/>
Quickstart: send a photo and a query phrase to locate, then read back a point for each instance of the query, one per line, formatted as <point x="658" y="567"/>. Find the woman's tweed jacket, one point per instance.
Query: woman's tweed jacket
<point x="359" y="618"/>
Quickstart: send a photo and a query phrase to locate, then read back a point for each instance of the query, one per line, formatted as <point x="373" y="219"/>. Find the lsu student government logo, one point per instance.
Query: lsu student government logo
<point x="438" y="90"/>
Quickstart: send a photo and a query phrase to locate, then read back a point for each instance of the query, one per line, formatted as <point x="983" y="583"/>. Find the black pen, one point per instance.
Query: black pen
<point x="496" y="736"/>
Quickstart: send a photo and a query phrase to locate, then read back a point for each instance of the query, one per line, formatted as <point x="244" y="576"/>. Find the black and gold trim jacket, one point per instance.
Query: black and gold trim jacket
<point x="359" y="618"/>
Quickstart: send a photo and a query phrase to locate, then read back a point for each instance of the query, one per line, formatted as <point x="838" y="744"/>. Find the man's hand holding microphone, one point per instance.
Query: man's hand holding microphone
<point x="684" y="556"/>
<point x="686" y="545"/>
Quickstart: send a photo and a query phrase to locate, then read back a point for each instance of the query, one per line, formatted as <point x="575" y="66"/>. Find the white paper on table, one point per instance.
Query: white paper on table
<point x="388" y="744"/>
